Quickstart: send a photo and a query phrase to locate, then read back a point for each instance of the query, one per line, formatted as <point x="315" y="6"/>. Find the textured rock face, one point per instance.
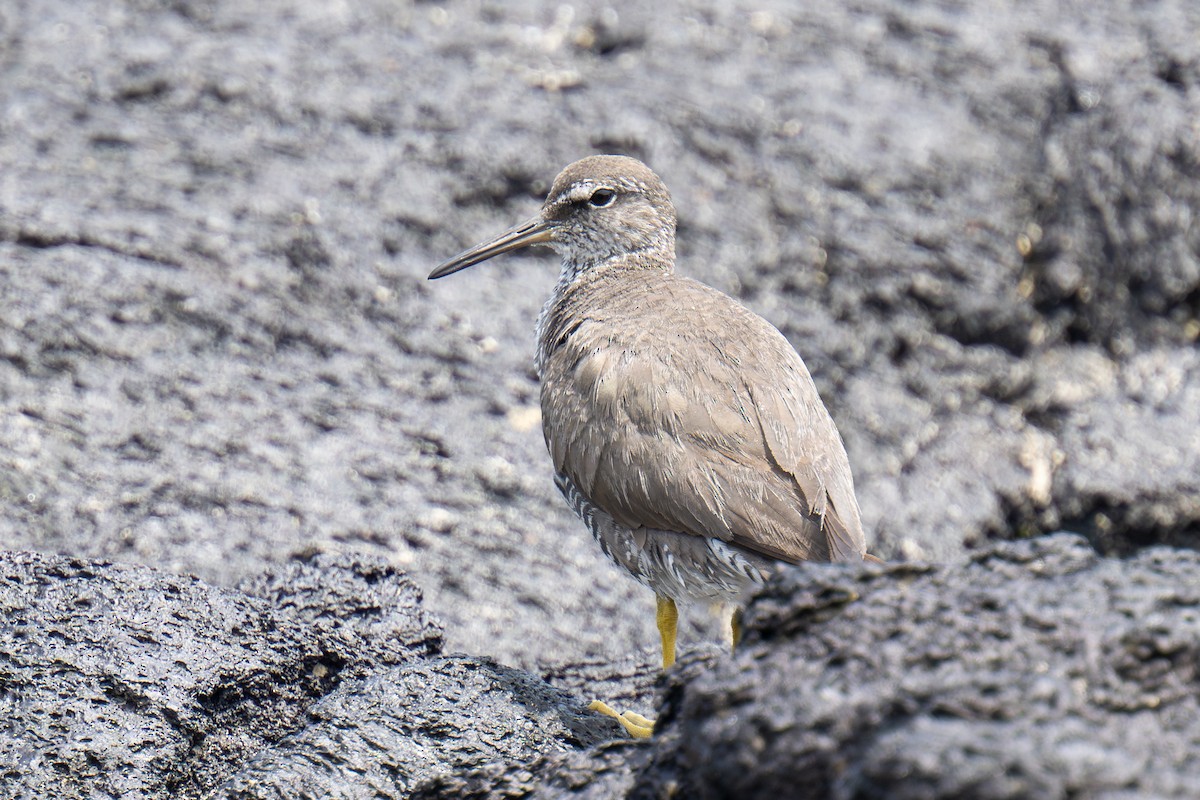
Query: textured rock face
<point x="218" y="355"/>
<point x="123" y="682"/>
<point x="218" y="347"/>
<point x="319" y="679"/>
<point x="404" y="726"/>
<point x="1038" y="670"/>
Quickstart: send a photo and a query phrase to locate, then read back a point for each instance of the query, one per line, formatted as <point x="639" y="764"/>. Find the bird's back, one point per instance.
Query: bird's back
<point x="673" y="407"/>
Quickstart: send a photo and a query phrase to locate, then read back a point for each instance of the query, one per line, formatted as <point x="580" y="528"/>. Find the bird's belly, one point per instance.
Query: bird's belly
<point x="681" y="566"/>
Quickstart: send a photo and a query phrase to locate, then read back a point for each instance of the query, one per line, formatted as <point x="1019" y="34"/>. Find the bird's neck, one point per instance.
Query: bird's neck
<point x="576" y="266"/>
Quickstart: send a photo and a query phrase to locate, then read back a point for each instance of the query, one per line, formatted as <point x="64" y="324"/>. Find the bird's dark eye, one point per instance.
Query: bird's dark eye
<point x="601" y="198"/>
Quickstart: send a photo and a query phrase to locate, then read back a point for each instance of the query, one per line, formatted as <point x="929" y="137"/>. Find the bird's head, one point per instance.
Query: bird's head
<point x="601" y="211"/>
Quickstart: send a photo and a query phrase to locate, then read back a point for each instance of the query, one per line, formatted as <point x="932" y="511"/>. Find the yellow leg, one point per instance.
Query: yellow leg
<point x="668" y="623"/>
<point x="636" y="725"/>
<point x="735" y="627"/>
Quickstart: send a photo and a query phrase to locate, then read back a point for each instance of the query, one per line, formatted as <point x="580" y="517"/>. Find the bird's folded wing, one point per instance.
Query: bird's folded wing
<point x="705" y="436"/>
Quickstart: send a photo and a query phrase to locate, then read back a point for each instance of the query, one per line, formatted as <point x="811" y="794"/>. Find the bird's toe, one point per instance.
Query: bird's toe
<point x="635" y="724"/>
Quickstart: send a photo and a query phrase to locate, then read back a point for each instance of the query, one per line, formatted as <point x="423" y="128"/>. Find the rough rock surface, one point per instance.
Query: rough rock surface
<point x="382" y="737"/>
<point x="320" y="679"/>
<point x="124" y="682"/>
<point x="1037" y="670"/>
<point x="218" y="352"/>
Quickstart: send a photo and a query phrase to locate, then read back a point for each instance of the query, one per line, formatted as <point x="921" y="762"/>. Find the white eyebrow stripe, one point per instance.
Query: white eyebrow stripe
<point x="581" y="191"/>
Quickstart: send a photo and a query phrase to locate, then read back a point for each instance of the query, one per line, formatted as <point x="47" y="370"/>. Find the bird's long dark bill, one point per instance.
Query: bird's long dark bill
<point x="534" y="231"/>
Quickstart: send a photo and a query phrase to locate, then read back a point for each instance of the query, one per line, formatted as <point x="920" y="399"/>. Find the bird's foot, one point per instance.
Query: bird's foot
<point x="634" y="724"/>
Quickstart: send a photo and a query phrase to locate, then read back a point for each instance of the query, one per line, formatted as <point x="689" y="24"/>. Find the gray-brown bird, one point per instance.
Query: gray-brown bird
<point x="685" y="430"/>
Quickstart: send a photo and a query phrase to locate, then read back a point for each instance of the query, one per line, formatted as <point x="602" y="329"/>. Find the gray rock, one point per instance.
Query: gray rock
<point x="382" y="737"/>
<point x="601" y="773"/>
<point x="1038" y="670"/>
<point x="219" y="349"/>
<point x="320" y="680"/>
<point x="124" y="682"/>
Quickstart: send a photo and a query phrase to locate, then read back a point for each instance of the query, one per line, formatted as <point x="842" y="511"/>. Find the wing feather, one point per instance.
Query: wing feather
<point x="684" y="411"/>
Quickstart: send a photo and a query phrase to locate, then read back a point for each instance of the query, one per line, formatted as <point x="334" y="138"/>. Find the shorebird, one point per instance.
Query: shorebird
<point x="685" y="430"/>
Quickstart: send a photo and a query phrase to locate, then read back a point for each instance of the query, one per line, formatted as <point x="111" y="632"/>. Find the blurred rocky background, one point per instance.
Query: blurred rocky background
<point x="219" y="358"/>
